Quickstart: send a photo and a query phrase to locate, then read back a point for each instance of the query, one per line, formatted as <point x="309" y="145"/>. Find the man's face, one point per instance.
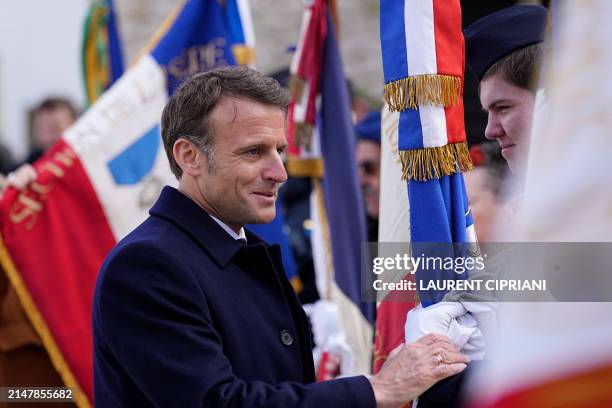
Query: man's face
<point x="241" y="184"/>
<point x="482" y="202"/>
<point x="49" y="126"/>
<point x="510" y="111"/>
<point x="368" y="162"/>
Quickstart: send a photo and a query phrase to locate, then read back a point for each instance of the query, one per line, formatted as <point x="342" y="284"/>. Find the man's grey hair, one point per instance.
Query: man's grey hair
<point x="186" y="114"/>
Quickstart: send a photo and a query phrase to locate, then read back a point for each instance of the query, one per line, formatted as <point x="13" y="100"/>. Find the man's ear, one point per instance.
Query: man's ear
<point x="187" y="156"/>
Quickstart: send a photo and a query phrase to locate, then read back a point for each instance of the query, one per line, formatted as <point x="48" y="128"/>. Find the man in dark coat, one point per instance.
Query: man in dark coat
<point x="192" y="310"/>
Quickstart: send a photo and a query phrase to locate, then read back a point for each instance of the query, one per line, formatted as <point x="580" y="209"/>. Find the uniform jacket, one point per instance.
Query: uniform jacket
<point x="186" y="316"/>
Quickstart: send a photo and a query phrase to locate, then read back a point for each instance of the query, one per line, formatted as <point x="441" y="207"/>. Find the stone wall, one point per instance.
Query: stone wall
<point x="277" y="25"/>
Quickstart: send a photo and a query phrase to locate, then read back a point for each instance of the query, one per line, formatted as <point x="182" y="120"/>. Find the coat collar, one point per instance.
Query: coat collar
<point x="182" y="211"/>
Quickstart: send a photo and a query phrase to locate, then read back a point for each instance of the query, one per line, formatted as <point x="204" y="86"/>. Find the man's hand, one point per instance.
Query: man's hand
<point x="414" y="368"/>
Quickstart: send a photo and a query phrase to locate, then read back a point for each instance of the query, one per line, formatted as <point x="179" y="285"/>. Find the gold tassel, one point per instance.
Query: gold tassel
<point x="243" y="54"/>
<point x="297" y="167"/>
<point x="420" y="90"/>
<point x="435" y="162"/>
<point x="302" y="135"/>
<point x="296" y="86"/>
<point x="296" y="284"/>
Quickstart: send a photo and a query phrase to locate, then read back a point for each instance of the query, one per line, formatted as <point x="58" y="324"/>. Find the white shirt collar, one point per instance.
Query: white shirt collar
<point x="231" y="232"/>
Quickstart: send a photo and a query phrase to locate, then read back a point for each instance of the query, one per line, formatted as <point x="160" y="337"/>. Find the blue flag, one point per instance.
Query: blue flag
<point x="198" y="40"/>
<point x="439" y="222"/>
<point x="343" y="199"/>
<point x="423" y="59"/>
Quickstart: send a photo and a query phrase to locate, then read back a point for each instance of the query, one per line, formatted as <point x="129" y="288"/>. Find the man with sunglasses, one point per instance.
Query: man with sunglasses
<point x="367" y="152"/>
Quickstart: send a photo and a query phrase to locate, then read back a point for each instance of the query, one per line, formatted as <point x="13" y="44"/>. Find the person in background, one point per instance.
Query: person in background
<point x="360" y="102"/>
<point x="49" y="121"/>
<point x="7" y="163"/>
<point x="367" y="152"/>
<point x="485" y="186"/>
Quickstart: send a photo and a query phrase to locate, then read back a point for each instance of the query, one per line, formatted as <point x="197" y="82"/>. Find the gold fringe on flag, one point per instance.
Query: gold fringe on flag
<point x="435" y="162"/>
<point x="419" y="90"/>
<point x="296" y="284"/>
<point x="302" y="135"/>
<point x="305" y="167"/>
<point x="243" y="54"/>
<point x="296" y="86"/>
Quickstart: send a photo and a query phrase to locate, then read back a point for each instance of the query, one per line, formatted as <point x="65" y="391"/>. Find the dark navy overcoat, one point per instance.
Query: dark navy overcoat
<point x="186" y="316"/>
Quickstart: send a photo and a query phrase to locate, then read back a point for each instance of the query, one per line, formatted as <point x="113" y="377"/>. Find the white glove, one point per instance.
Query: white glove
<point x="450" y="319"/>
<point x="485" y="314"/>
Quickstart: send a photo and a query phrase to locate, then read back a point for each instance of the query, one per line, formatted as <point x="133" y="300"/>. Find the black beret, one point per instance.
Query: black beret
<point x="501" y="33"/>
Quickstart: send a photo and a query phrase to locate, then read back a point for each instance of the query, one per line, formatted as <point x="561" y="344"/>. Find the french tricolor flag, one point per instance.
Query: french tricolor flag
<point x="423" y="62"/>
<point x="423" y="56"/>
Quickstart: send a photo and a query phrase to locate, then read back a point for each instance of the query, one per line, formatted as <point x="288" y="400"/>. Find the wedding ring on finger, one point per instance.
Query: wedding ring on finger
<point x="440" y="359"/>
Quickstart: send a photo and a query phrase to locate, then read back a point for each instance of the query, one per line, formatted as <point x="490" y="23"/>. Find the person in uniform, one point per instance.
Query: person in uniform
<point x="503" y="51"/>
